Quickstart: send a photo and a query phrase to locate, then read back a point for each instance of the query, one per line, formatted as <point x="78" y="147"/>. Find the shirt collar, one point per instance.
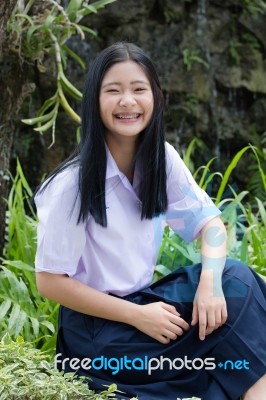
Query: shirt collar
<point x="112" y="170"/>
<point x="111" y="166"/>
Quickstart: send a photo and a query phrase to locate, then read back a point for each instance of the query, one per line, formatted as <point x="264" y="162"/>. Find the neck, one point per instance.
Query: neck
<point x="123" y="152"/>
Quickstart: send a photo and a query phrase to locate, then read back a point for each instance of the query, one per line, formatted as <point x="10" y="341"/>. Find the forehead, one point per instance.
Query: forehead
<point x="125" y="71"/>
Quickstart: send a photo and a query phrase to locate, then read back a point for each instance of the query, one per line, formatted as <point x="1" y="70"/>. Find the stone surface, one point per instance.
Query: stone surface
<point x="218" y="92"/>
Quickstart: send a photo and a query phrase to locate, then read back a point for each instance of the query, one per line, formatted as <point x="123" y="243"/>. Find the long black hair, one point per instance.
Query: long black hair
<point x="91" y="152"/>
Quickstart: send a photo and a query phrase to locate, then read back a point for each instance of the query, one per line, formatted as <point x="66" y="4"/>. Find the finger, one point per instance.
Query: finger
<point x="177" y="329"/>
<point x="175" y="316"/>
<point x="211" y="323"/>
<point x="163" y="339"/>
<point x="183" y="324"/>
<point x="218" y="318"/>
<point x="202" y="325"/>
<point x="195" y="314"/>
<point x="170" y="308"/>
<point x="179" y="322"/>
<point x="171" y="335"/>
<point x="224" y="314"/>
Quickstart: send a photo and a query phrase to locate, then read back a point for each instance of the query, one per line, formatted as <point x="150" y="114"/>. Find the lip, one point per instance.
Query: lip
<point x="122" y="117"/>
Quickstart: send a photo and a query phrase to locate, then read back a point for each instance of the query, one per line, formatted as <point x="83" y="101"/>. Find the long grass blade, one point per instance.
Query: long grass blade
<point x="228" y="173"/>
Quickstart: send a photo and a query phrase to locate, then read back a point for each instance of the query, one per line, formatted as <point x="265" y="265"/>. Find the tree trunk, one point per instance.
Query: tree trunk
<point x="13" y="88"/>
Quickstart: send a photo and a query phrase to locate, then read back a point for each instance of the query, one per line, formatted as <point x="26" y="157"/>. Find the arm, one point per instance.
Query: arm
<point x="209" y="307"/>
<point x="159" y="320"/>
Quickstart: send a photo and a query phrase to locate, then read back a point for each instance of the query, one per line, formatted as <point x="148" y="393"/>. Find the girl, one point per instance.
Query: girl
<point x="198" y="331"/>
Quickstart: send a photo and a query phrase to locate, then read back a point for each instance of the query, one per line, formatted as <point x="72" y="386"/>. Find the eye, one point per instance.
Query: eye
<point x="112" y="91"/>
<point x="140" y="89"/>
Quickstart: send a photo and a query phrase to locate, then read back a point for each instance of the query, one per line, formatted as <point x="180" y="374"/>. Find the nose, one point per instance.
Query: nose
<point x="127" y="99"/>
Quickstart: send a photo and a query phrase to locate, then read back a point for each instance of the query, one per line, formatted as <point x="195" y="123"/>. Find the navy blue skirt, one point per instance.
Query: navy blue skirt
<point x="222" y="367"/>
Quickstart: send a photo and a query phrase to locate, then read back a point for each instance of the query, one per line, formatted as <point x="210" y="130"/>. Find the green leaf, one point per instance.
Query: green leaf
<point x="41" y="119"/>
<point x="49" y="20"/>
<point x="23" y="179"/>
<point x="228" y="173"/>
<point x="20" y="322"/>
<point x="32" y="30"/>
<point x="206" y="170"/>
<point x="71" y="89"/>
<point x="35" y="325"/>
<point x="20" y="340"/>
<point x="88" y="30"/>
<point x="48" y="103"/>
<point x="94" y="7"/>
<point x="90" y="9"/>
<point x="262" y="173"/>
<point x="4" y="307"/>
<point x="190" y="149"/>
<point x="48" y="325"/>
<point x="162" y="269"/>
<point x="6" y="339"/>
<point x="25" y="16"/>
<point x="19" y="265"/>
<point x="73" y="6"/>
<point x="48" y="124"/>
<point x="102" y="3"/>
<point x="13" y="317"/>
<point x="74" y="56"/>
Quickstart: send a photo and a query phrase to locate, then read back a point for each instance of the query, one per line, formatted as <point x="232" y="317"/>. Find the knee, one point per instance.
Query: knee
<point x="236" y="268"/>
<point x="237" y="277"/>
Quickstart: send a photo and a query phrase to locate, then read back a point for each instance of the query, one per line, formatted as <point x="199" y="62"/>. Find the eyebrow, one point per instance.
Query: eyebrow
<point x="131" y="83"/>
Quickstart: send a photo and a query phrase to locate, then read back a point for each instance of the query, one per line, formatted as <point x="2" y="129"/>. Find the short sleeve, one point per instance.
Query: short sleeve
<point x="189" y="207"/>
<point x="60" y="239"/>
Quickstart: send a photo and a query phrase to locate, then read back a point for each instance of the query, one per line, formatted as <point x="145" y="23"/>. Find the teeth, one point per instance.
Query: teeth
<point x="127" y="116"/>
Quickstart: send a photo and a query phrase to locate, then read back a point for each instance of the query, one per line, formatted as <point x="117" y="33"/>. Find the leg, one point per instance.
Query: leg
<point x="241" y="344"/>
<point x="257" y="391"/>
<point x="241" y="338"/>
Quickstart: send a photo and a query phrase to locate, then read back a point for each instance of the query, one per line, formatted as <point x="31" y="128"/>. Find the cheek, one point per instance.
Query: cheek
<point x="150" y="105"/>
<point x="105" y="109"/>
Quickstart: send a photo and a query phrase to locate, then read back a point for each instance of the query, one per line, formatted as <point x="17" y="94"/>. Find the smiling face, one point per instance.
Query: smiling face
<point x="126" y="101"/>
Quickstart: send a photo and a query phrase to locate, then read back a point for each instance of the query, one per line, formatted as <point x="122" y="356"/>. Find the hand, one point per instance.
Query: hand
<point x="208" y="309"/>
<point x="160" y="321"/>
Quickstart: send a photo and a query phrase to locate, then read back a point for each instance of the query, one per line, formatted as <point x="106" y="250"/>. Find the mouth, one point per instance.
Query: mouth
<point x="128" y="116"/>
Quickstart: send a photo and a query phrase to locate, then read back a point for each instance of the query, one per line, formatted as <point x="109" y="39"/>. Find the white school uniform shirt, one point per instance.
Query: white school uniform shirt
<point x="121" y="258"/>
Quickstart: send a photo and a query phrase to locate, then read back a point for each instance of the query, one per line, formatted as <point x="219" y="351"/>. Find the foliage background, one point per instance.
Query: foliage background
<point x="215" y="92"/>
<point x="209" y="55"/>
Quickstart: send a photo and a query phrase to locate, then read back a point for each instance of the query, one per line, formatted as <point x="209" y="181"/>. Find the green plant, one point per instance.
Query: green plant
<point x="27" y="374"/>
<point x="246" y="225"/>
<point x="254" y="7"/>
<point x="234" y="47"/>
<point x="257" y="180"/>
<point x="36" y="35"/>
<point x="189" y="151"/>
<point x="169" y="15"/>
<point x="254" y="247"/>
<point x="251" y="41"/>
<point x="247" y="41"/>
<point x="23" y="310"/>
<point x="192" y="56"/>
<point x="191" y="105"/>
<point x="174" y="252"/>
<point x="20" y="226"/>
